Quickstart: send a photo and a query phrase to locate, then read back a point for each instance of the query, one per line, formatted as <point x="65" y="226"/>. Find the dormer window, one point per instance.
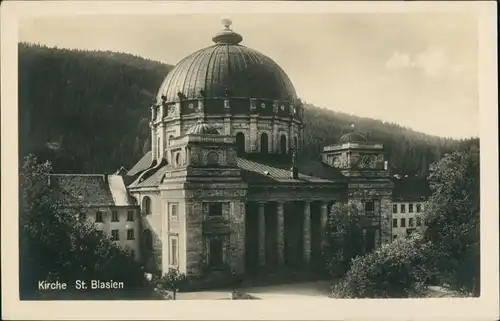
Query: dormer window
<point x="263" y="105"/>
<point x="226" y="103"/>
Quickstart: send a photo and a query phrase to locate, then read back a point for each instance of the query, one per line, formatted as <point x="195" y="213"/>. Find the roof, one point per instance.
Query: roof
<point x="142" y="164"/>
<point x="278" y="171"/>
<point x="270" y="170"/>
<point x="225" y="70"/>
<point x="202" y="128"/>
<point x="410" y="189"/>
<point x="353" y="138"/>
<point x="90" y="190"/>
<point x="152" y="180"/>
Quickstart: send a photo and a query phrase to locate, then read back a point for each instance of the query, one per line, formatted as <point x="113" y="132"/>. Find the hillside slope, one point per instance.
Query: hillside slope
<point x="88" y="112"/>
<point x="85" y="111"/>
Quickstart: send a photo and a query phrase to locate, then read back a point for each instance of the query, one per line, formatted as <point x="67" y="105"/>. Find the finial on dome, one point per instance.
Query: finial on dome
<point x="226" y="22"/>
<point x="227" y="36"/>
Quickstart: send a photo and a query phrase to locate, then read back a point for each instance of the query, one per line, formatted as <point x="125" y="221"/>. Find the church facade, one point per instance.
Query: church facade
<point x="222" y="190"/>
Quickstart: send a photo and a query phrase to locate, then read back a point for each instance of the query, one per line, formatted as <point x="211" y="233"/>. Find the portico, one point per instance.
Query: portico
<point x="284" y="232"/>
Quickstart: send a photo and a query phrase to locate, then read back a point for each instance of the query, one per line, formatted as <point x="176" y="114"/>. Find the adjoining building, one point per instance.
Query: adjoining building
<point x="222" y="190"/>
<point x="408" y="212"/>
<point x="105" y="201"/>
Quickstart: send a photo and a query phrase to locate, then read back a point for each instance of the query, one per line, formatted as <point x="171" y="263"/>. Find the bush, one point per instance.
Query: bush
<point x="395" y="270"/>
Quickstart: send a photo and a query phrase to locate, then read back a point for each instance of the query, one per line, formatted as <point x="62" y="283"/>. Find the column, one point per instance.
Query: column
<point x="262" y="234"/>
<point x="307" y="232"/>
<point x="324" y="216"/>
<point x="280" y="233"/>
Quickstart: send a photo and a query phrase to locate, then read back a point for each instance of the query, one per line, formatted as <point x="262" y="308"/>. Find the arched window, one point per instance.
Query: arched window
<point x="178" y="159"/>
<point x="212" y="158"/>
<point x="283" y="146"/>
<point x="240" y="143"/>
<point x="295" y="142"/>
<point x="148" y="240"/>
<point x="264" y="143"/>
<point x="146" y="205"/>
<point x="170" y="139"/>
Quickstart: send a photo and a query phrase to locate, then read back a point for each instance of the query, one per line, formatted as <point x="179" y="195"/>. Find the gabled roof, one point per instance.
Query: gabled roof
<point x="90" y="190"/>
<point x="142" y="164"/>
<point x="278" y="171"/>
<point x="151" y="181"/>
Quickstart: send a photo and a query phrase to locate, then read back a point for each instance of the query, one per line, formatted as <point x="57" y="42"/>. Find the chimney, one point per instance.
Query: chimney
<point x="386" y="165"/>
<point x="105" y="178"/>
<point x="48" y="180"/>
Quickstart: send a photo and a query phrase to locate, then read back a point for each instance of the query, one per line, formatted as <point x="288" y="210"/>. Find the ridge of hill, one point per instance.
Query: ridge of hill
<point x="87" y="112"/>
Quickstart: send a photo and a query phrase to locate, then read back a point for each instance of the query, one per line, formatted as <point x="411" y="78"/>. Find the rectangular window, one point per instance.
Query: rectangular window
<point x="98" y="216"/>
<point x="403" y="208"/>
<point x="395" y="208"/>
<point x="114" y="216"/>
<point x="174" y="215"/>
<point x="174" y="250"/>
<point x="369" y="207"/>
<point x="410" y="222"/>
<point x="419" y="208"/>
<point x="410" y="208"/>
<point x="394" y="222"/>
<point x="419" y="221"/>
<point x="403" y="222"/>
<point x="215" y="255"/>
<point x="215" y="209"/>
<point x="130" y="216"/>
<point x="115" y="235"/>
<point x="130" y="234"/>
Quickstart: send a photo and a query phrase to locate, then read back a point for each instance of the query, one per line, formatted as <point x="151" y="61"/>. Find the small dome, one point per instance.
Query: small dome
<point x="353" y="138"/>
<point x="202" y="128"/>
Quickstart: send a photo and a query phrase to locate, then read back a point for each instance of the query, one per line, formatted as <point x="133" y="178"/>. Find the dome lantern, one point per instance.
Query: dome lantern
<point x="227" y="36"/>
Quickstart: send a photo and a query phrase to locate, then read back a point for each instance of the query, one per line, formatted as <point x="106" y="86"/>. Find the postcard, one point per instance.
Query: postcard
<point x="326" y="160"/>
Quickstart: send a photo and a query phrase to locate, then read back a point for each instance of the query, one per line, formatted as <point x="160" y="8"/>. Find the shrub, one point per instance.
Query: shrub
<point x="395" y="270"/>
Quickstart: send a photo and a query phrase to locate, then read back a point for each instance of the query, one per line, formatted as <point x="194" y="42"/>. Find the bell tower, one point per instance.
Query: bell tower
<point x="369" y="184"/>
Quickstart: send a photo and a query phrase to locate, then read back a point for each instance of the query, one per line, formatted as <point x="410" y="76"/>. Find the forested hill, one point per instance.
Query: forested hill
<point x="85" y="111"/>
<point x="88" y="112"/>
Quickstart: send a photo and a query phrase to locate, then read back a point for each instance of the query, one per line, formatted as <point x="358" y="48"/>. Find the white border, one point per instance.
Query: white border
<point x="484" y="308"/>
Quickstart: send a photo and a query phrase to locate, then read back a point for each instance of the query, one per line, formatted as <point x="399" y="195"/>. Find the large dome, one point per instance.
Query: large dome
<point x="227" y="71"/>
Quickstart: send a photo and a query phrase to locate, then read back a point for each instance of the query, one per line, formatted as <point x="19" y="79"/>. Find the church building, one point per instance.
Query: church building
<point x="222" y="189"/>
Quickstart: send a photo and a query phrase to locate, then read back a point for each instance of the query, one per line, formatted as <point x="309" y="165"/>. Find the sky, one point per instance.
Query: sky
<point x="415" y="69"/>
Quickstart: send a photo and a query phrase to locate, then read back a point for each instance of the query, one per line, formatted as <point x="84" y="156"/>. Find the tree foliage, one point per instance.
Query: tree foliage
<point x="87" y="111"/>
<point x="58" y="244"/>
<point x="395" y="270"/>
<point x="452" y="214"/>
<point x="343" y="239"/>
